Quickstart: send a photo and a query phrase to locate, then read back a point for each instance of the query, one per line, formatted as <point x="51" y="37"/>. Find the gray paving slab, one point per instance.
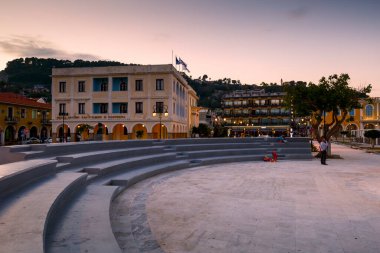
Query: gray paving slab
<point x="288" y="206"/>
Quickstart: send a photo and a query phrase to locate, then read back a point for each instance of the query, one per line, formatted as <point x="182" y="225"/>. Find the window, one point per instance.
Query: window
<point x="103" y="108"/>
<point x="352" y="112"/>
<point x="81" y="86"/>
<point x="10" y="112"/>
<point x="62" y="87"/>
<point x="139" y="107"/>
<point x="23" y="113"/>
<point x="368" y="110"/>
<point x="62" y="108"/>
<point x="123" y="86"/>
<point x="119" y="107"/>
<point x="104" y="86"/>
<point x="100" y="84"/>
<point x="159" y="107"/>
<point x="34" y="114"/>
<point x="81" y="108"/>
<point x="100" y="108"/>
<point x="119" y="83"/>
<point x="124" y="108"/>
<point x="139" y="85"/>
<point x="159" y="84"/>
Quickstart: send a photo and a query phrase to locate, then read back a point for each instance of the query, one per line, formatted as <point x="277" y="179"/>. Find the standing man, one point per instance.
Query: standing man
<point x="323" y="145"/>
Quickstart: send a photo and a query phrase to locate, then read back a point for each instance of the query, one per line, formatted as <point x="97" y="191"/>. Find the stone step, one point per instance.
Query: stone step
<point x="14" y="176"/>
<point x="102" y="169"/>
<point x="85" y="224"/>
<point x="87" y="158"/>
<point x="126" y="179"/>
<point x="25" y="215"/>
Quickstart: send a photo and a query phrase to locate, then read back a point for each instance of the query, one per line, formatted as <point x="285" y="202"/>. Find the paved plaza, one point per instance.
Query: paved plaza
<point x="288" y="206"/>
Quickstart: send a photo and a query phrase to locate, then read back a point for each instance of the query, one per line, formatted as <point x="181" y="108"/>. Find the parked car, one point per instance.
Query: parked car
<point x="33" y="140"/>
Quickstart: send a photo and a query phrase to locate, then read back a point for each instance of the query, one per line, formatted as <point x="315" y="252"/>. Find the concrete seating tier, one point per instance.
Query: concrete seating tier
<point x="87" y="223"/>
<point x="128" y="163"/>
<point x="25" y="215"/>
<point x="94" y="157"/>
<point x="25" y="152"/>
<point x="105" y="169"/>
<point x="14" y="176"/>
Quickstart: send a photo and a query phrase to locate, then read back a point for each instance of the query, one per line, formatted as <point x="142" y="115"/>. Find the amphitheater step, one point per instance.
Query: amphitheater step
<point x="128" y="163"/>
<point x="25" y="215"/>
<point x="88" y="158"/>
<point x="126" y="179"/>
<point x="14" y="176"/>
<point x="85" y="224"/>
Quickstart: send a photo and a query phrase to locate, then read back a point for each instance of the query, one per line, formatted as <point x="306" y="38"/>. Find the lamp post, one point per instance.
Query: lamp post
<point x="160" y="109"/>
<point x="63" y="114"/>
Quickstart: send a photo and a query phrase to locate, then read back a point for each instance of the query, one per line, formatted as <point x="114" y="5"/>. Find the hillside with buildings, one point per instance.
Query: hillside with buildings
<point x="32" y="77"/>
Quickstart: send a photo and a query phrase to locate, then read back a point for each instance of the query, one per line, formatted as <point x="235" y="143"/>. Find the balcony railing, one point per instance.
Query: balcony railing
<point x="252" y="105"/>
<point x="45" y="121"/>
<point x="11" y="120"/>
<point x="260" y="124"/>
<point x="235" y="115"/>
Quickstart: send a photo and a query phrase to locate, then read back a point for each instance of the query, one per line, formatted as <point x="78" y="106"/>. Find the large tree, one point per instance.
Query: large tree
<point x="332" y="94"/>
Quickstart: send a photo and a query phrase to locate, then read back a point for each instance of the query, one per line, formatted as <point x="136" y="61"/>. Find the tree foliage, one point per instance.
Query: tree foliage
<point x="332" y="94"/>
<point x="203" y="130"/>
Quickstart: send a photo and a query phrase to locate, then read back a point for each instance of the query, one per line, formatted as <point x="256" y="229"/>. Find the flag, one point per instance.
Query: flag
<point x="183" y="63"/>
<point x="177" y="61"/>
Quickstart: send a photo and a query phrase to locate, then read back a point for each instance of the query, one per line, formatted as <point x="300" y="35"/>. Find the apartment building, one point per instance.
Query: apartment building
<point x="121" y="102"/>
<point x="22" y="118"/>
<point x="255" y="113"/>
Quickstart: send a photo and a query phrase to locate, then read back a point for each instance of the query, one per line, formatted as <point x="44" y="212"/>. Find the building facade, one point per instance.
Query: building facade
<point x="121" y="102"/>
<point x="360" y="120"/>
<point x="255" y="113"/>
<point x="22" y="118"/>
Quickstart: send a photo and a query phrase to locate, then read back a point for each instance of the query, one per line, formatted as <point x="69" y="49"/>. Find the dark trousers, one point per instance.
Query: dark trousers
<point x="323" y="157"/>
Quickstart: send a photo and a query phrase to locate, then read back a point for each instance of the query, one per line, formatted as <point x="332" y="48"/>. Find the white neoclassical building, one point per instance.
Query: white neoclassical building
<point x="121" y="102"/>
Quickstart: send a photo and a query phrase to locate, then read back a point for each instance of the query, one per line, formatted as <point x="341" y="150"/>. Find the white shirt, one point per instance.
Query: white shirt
<point x="323" y="145"/>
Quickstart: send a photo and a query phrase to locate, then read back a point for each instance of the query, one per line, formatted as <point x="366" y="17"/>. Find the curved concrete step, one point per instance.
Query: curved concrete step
<point x="14" y="176"/>
<point x="102" y="169"/>
<point x="85" y="225"/>
<point x="93" y="157"/>
<point x="60" y="149"/>
<point x="24" y="216"/>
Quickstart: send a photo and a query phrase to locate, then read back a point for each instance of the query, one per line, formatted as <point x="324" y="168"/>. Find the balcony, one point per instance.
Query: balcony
<point x="11" y="120"/>
<point x="244" y="115"/>
<point x="45" y="121"/>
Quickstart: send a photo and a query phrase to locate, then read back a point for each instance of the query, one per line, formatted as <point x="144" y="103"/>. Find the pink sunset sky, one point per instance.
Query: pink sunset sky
<point x="252" y="41"/>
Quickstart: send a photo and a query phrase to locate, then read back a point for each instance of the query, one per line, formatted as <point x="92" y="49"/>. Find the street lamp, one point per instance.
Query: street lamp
<point x="63" y="114"/>
<point x="160" y="109"/>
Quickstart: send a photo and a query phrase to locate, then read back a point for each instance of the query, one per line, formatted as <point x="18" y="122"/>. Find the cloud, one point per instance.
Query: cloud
<point x="298" y="13"/>
<point x="27" y="46"/>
